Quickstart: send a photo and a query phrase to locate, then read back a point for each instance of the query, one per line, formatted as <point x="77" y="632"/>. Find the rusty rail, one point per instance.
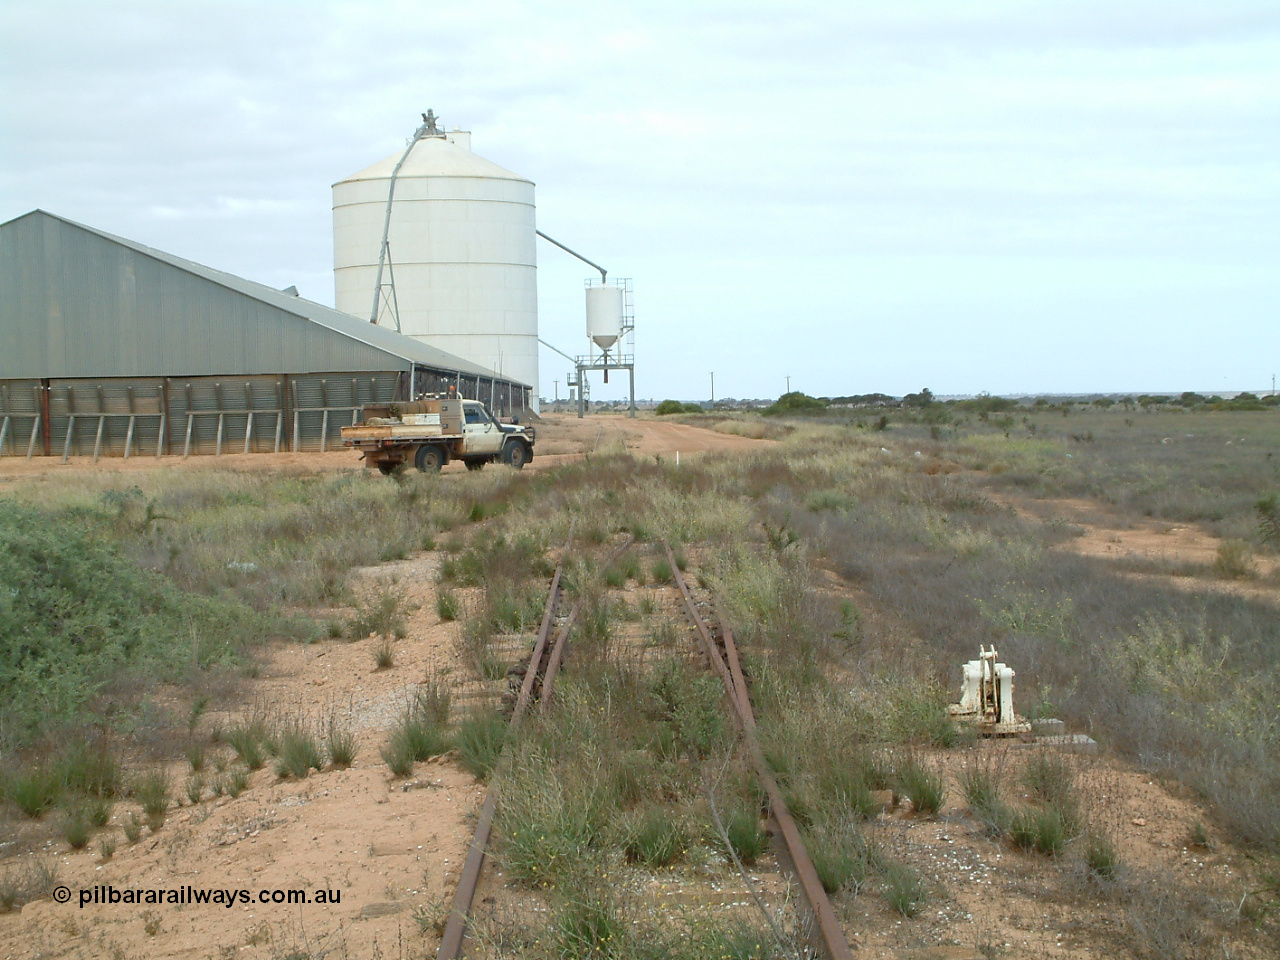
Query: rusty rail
<point x="831" y="940"/>
<point x="455" y="930"/>
<point x="544" y="663"/>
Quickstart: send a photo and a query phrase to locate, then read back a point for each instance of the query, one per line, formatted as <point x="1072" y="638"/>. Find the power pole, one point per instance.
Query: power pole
<point x="788" y="384"/>
<point x="713" y="388"/>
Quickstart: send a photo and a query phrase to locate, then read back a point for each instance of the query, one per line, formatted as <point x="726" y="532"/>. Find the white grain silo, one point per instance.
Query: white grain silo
<point x="461" y="242"/>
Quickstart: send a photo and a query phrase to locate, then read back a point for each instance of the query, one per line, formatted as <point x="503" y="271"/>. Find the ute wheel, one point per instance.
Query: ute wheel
<point x="388" y="467"/>
<point x="475" y="464"/>
<point x="429" y="459"/>
<point x="515" y="454"/>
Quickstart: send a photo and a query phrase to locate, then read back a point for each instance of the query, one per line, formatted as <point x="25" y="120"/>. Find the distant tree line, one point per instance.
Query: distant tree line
<point x="983" y="405"/>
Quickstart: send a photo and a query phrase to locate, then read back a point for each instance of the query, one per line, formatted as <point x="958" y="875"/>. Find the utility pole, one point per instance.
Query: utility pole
<point x="557" y="383"/>
<point x="788" y="384"/>
<point x="713" y="388"/>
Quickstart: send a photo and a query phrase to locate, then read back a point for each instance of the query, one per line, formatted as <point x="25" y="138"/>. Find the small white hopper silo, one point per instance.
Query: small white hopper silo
<point x="604" y="314"/>
<point x="461" y="242"/>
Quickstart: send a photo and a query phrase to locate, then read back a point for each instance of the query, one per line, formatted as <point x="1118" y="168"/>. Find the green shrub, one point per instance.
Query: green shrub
<point x="90" y="767"/>
<point x="151" y="790"/>
<point x="1101" y="856"/>
<point x="1039" y="829"/>
<point x="513" y="608"/>
<point x="627" y="568"/>
<point x="248" y="740"/>
<point x="746" y="834"/>
<point x="550" y="821"/>
<point x="918" y="781"/>
<point x="194" y="752"/>
<point x="75" y="827"/>
<point x="340" y="742"/>
<point x="384" y="657"/>
<point x="634" y="776"/>
<point x="589" y="925"/>
<point x="34" y="790"/>
<point x="1050" y="777"/>
<point x="448" y="607"/>
<point x="86" y="614"/>
<point x="902" y="888"/>
<point x="981" y="784"/>
<point x="97" y="811"/>
<point x="981" y="787"/>
<point x="668" y="407"/>
<point x="660" y="572"/>
<point x="298" y="750"/>
<point x="479" y="742"/>
<point x="1234" y="560"/>
<point x="22" y="883"/>
<point x="132" y="827"/>
<point x="847" y="784"/>
<point x="384" y="611"/>
<point x="236" y="781"/>
<point x="700" y="717"/>
<point x="195" y="789"/>
<point x="419" y="735"/>
<point x="398" y="755"/>
<point x="432" y="700"/>
<point x="839" y="854"/>
<point x="794" y="402"/>
<point x="1268" y="510"/>
<point x="656" y="837"/>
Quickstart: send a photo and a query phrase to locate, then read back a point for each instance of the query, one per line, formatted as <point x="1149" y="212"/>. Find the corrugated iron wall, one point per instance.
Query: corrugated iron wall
<point x="172" y="416"/>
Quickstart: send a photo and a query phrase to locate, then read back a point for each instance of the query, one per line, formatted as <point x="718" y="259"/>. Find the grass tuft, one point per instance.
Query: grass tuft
<point x="656" y="837"/>
<point x="840" y="855"/>
<point x="479" y="742"/>
<point x="340" y="742"/>
<point x="902" y="888"/>
<point x="151" y="790"/>
<point x="448" y="606"/>
<point x="298" y="750"/>
<point x="746" y="833"/>
<point x="34" y="790"/>
<point x="917" y="780"/>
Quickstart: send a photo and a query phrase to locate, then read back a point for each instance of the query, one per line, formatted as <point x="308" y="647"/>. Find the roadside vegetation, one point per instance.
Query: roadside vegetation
<point x="860" y="561"/>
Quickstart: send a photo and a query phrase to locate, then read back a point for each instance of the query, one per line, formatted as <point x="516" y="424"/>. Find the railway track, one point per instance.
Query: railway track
<point x="538" y="687"/>
<point x="722" y="650"/>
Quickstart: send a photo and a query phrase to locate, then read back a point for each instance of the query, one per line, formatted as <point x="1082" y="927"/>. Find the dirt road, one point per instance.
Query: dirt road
<point x="561" y="438"/>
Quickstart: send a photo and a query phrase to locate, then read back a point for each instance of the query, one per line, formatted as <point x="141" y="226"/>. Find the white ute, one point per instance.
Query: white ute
<point x="432" y="432"/>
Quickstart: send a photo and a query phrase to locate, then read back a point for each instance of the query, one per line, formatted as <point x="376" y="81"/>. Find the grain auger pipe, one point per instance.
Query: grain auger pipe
<point x="604" y="274"/>
<point x="830" y="939"/>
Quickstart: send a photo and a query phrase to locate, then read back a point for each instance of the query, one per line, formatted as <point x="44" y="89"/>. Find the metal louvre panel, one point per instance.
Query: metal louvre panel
<point x="233" y="398"/>
<point x="341" y="397"/>
<point x="267" y="397"/>
<point x="101" y="409"/>
<point x="19" y="408"/>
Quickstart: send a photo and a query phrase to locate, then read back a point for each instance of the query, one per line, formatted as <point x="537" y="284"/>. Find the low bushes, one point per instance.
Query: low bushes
<point x="421" y="732"/>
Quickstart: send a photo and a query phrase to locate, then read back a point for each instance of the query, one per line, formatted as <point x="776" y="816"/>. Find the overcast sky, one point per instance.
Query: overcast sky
<point x="965" y="195"/>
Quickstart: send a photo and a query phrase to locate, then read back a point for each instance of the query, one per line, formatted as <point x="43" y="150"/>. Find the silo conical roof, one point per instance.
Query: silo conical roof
<point x="435" y="157"/>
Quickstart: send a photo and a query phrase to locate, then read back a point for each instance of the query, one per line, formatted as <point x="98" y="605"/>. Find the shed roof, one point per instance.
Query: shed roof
<point x="78" y="301"/>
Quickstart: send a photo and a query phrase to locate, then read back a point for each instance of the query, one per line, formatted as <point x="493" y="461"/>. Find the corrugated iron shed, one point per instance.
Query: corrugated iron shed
<point x="79" y="302"/>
